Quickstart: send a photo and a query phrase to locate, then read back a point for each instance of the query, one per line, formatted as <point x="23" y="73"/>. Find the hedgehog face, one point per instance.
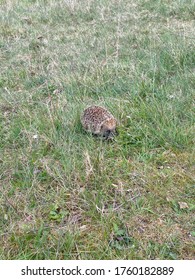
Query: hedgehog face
<point x="109" y="134"/>
<point x="108" y="129"/>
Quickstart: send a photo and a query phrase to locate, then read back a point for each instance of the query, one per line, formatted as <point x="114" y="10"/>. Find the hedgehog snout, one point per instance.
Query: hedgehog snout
<point x="109" y="133"/>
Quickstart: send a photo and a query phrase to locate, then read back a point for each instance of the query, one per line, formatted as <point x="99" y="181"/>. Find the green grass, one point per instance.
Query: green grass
<point x="65" y="194"/>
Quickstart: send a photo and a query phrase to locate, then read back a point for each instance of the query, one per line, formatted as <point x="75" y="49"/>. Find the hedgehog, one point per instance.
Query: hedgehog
<point x="99" y="121"/>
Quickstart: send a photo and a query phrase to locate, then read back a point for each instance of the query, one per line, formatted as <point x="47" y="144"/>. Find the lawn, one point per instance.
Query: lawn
<point x="65" y="194"/>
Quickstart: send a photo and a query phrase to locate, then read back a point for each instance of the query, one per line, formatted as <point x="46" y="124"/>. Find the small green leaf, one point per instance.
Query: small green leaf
<point x="115" y="227"/>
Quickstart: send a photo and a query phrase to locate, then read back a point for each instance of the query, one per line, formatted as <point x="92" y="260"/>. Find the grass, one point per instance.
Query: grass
<point x="65" y="194"/>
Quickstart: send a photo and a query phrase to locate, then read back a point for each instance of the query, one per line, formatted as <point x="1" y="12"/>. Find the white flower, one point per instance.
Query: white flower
<point x="35" y="136"/>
